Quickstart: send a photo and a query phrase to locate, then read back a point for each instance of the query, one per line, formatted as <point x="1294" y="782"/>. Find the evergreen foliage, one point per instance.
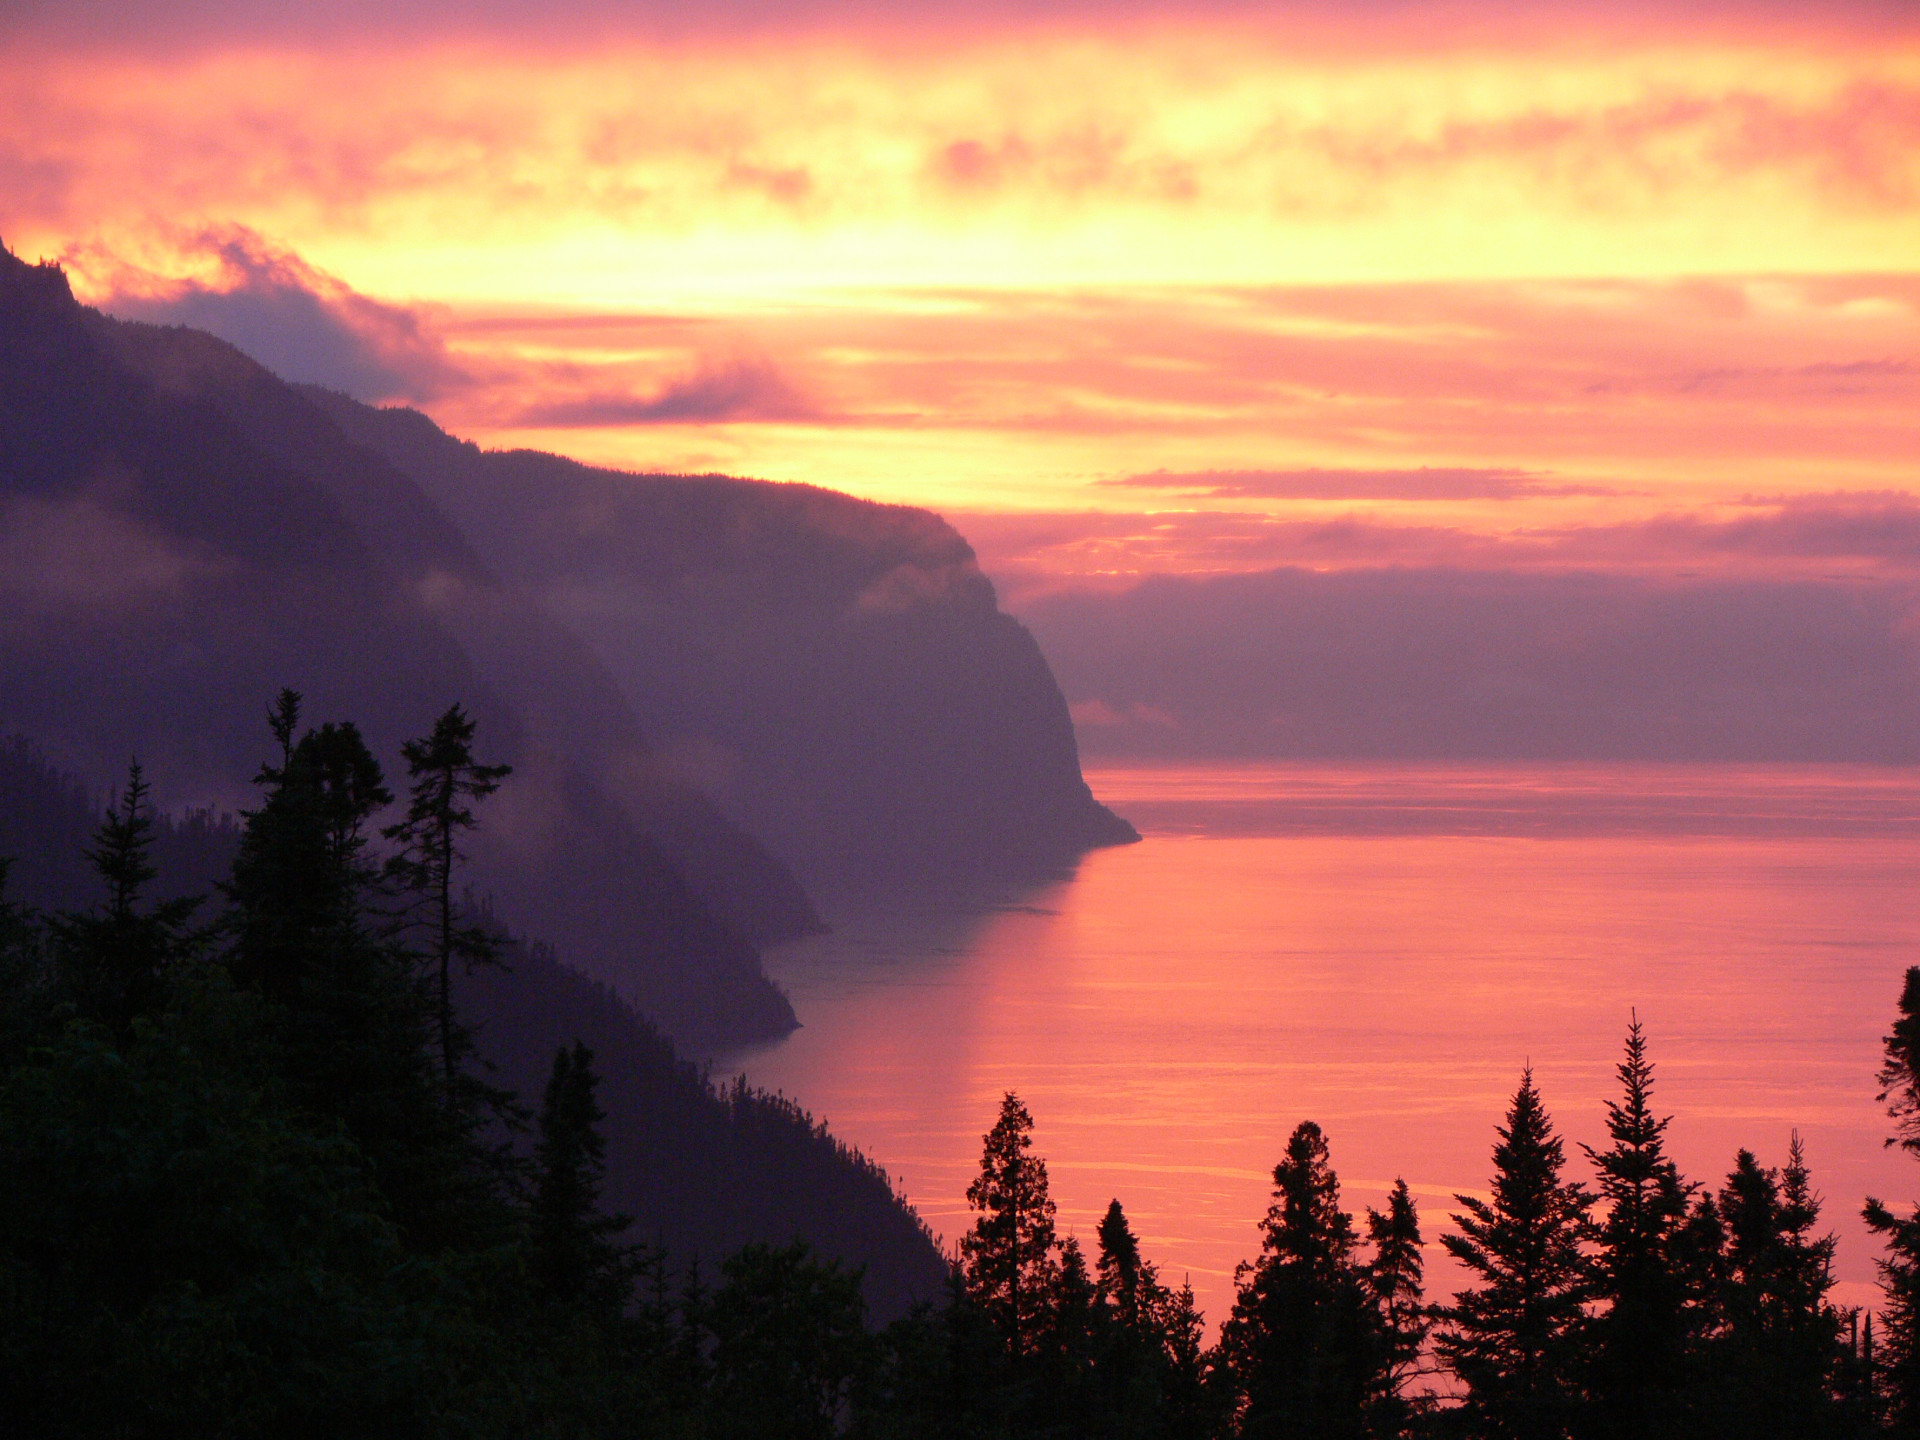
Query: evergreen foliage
<point x="790" y="1346"/>
<point x="1396" y="1275"/>
<point x="447" y="780"/>
<point x="306" y="919"/>
<point x="575" y="1257"/>
<point x="116" y="958"/>
<point x="1304" y="1350"/>
<point x="1898" y="1360"/>
<point x="1778" y="1364"/>
<point x="1513" y="1339"/>
<point x="240" y="1198"/>
<point x="1008" y="1256"/>
<point x="1648" y="1292"/>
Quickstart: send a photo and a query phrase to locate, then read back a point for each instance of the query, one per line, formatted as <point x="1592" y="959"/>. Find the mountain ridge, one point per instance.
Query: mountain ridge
<point x="760" y="627"/>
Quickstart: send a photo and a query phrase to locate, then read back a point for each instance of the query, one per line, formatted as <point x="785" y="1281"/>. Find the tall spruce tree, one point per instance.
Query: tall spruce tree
<point x="576" y="1260"/>
<point x="1898" y="1357"/>
<point x="304" y="921"/>
<point x="1007" y="1257"/>
<point x="1396" y="1275"/>
<point x="1151" y="1362"/>
<point x="1777" y="1362"/>
<point x="1069" y="1395"/>
<point x="113" y="960"/>
<point x="1644" y="1337"/>
<point x="1513" y="1339"/>
<point x="1303" y="1348"/>
<point x="446" y="781"/>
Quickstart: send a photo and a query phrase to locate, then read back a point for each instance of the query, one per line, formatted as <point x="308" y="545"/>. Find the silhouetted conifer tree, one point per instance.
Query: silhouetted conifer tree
<point x="1121" y="1268"/>
<point x="1077" y="1338"/>
<point x="1303" y="1348"/>
<point x="446" y="780"/>
<point x="1007" y="1258"/>
<point x="303" y="917"/>
<point x="1151" y="1361"/>
<point x="1642" y="1340"/>
<point x="1513" y="1338"/>
<point x="1776" y="1363"/>
<point x="1396" y="1275"/>
<point x="575" y="1257"/>
<point x="113" y="959"/>
<point x="790" y="1345"/>
<point x="1897" y="1362"/>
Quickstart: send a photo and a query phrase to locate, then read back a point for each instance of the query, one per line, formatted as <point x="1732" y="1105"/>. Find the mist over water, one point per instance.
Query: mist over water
<point x="1381" y="949"/>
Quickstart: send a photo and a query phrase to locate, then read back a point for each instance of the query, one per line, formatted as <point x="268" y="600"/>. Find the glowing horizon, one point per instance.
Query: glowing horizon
<point x="1661" y="265"/>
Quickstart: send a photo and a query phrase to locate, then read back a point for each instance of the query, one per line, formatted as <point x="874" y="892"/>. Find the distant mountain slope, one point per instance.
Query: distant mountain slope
<point x="701" y="1173"/>
<point x="836" y="672"/>
<point x="181" y="535"/>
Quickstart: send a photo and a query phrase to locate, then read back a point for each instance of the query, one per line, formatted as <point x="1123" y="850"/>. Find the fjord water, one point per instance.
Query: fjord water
<point x="1382" y="950"/>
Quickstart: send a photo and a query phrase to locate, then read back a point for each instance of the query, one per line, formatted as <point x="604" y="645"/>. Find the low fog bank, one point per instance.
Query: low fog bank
<point x="1465" y="664"/>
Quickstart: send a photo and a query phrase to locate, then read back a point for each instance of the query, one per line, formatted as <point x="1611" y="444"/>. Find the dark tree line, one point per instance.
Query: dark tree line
<point x="1637" y="1304"/>
<point x="253" y="1182"/>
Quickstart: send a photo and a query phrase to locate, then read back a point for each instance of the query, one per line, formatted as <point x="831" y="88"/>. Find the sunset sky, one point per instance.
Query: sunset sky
<point x="1123" y="289"/>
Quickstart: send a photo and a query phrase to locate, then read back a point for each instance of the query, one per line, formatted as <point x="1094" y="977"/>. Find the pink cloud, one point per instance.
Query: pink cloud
<point x="729" y="391"/>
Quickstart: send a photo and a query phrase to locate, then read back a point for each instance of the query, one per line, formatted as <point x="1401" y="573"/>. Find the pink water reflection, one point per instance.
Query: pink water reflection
<point x="1171" y="1012"/>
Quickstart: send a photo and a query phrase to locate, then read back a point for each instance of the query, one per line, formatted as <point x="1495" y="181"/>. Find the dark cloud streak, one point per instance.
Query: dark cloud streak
<point x="1427" y="483"/>
<point x="1485" y="665"/>
<point x="117" y="22"/>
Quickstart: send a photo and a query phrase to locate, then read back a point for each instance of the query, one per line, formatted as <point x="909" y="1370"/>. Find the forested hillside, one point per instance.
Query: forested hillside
<point x="701" y="1173"/>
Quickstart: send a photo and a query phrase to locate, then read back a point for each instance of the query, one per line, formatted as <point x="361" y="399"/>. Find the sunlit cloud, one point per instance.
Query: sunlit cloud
<point x="1468" y="280"/>
<point x="1425" y="483"/>
<point x="1857" y="536"/>
<point x="298" y="321"/>
<point x="1219" y="152"/>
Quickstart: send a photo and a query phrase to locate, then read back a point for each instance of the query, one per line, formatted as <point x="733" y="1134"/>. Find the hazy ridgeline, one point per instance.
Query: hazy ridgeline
<point x="712" y="690"/>
<point x="262" y="1181"/>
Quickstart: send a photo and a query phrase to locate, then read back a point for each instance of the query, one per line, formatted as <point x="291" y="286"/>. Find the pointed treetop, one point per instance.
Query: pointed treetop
<point x="1900" y="1072"/>
<point x="121" y="845"/>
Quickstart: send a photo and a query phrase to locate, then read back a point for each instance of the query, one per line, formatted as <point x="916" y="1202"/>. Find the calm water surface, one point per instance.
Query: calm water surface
<point x="1382" y="951"/>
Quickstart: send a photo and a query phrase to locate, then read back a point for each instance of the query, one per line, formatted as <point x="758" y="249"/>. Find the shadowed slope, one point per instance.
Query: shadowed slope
<point x="836" y="672"/>
<point x="182" y="535"/>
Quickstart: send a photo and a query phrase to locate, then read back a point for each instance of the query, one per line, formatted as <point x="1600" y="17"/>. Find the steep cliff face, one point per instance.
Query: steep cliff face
<point x="706" y="685"/>
<point x="181" y="535"/>
<point x="836" y="673"/>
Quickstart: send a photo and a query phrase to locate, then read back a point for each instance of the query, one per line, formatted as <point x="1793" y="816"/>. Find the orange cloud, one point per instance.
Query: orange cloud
<point x="1221" y="151"/>
<point x="1596" y="265"/>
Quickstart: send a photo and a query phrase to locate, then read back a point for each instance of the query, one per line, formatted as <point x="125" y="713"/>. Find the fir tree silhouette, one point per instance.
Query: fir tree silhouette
<point x="1303" y="1346"/>
<point x="1396" y="1275"/>
<point x="305" y="921"/>
<point x="1513" y="1339"/>
<point x="1641" y="1341"/>
<point x="1777" y="1363"/>
<point x="1007" y="1257"/>
<point x="575" y="1257"/>
<point x="115" y="957"/>
<point x="1897" y="1364"/>
<point x="446" y="780"/>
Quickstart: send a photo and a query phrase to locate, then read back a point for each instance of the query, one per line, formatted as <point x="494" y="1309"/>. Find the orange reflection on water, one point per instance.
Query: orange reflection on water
<point x="1171" y="1012"/>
